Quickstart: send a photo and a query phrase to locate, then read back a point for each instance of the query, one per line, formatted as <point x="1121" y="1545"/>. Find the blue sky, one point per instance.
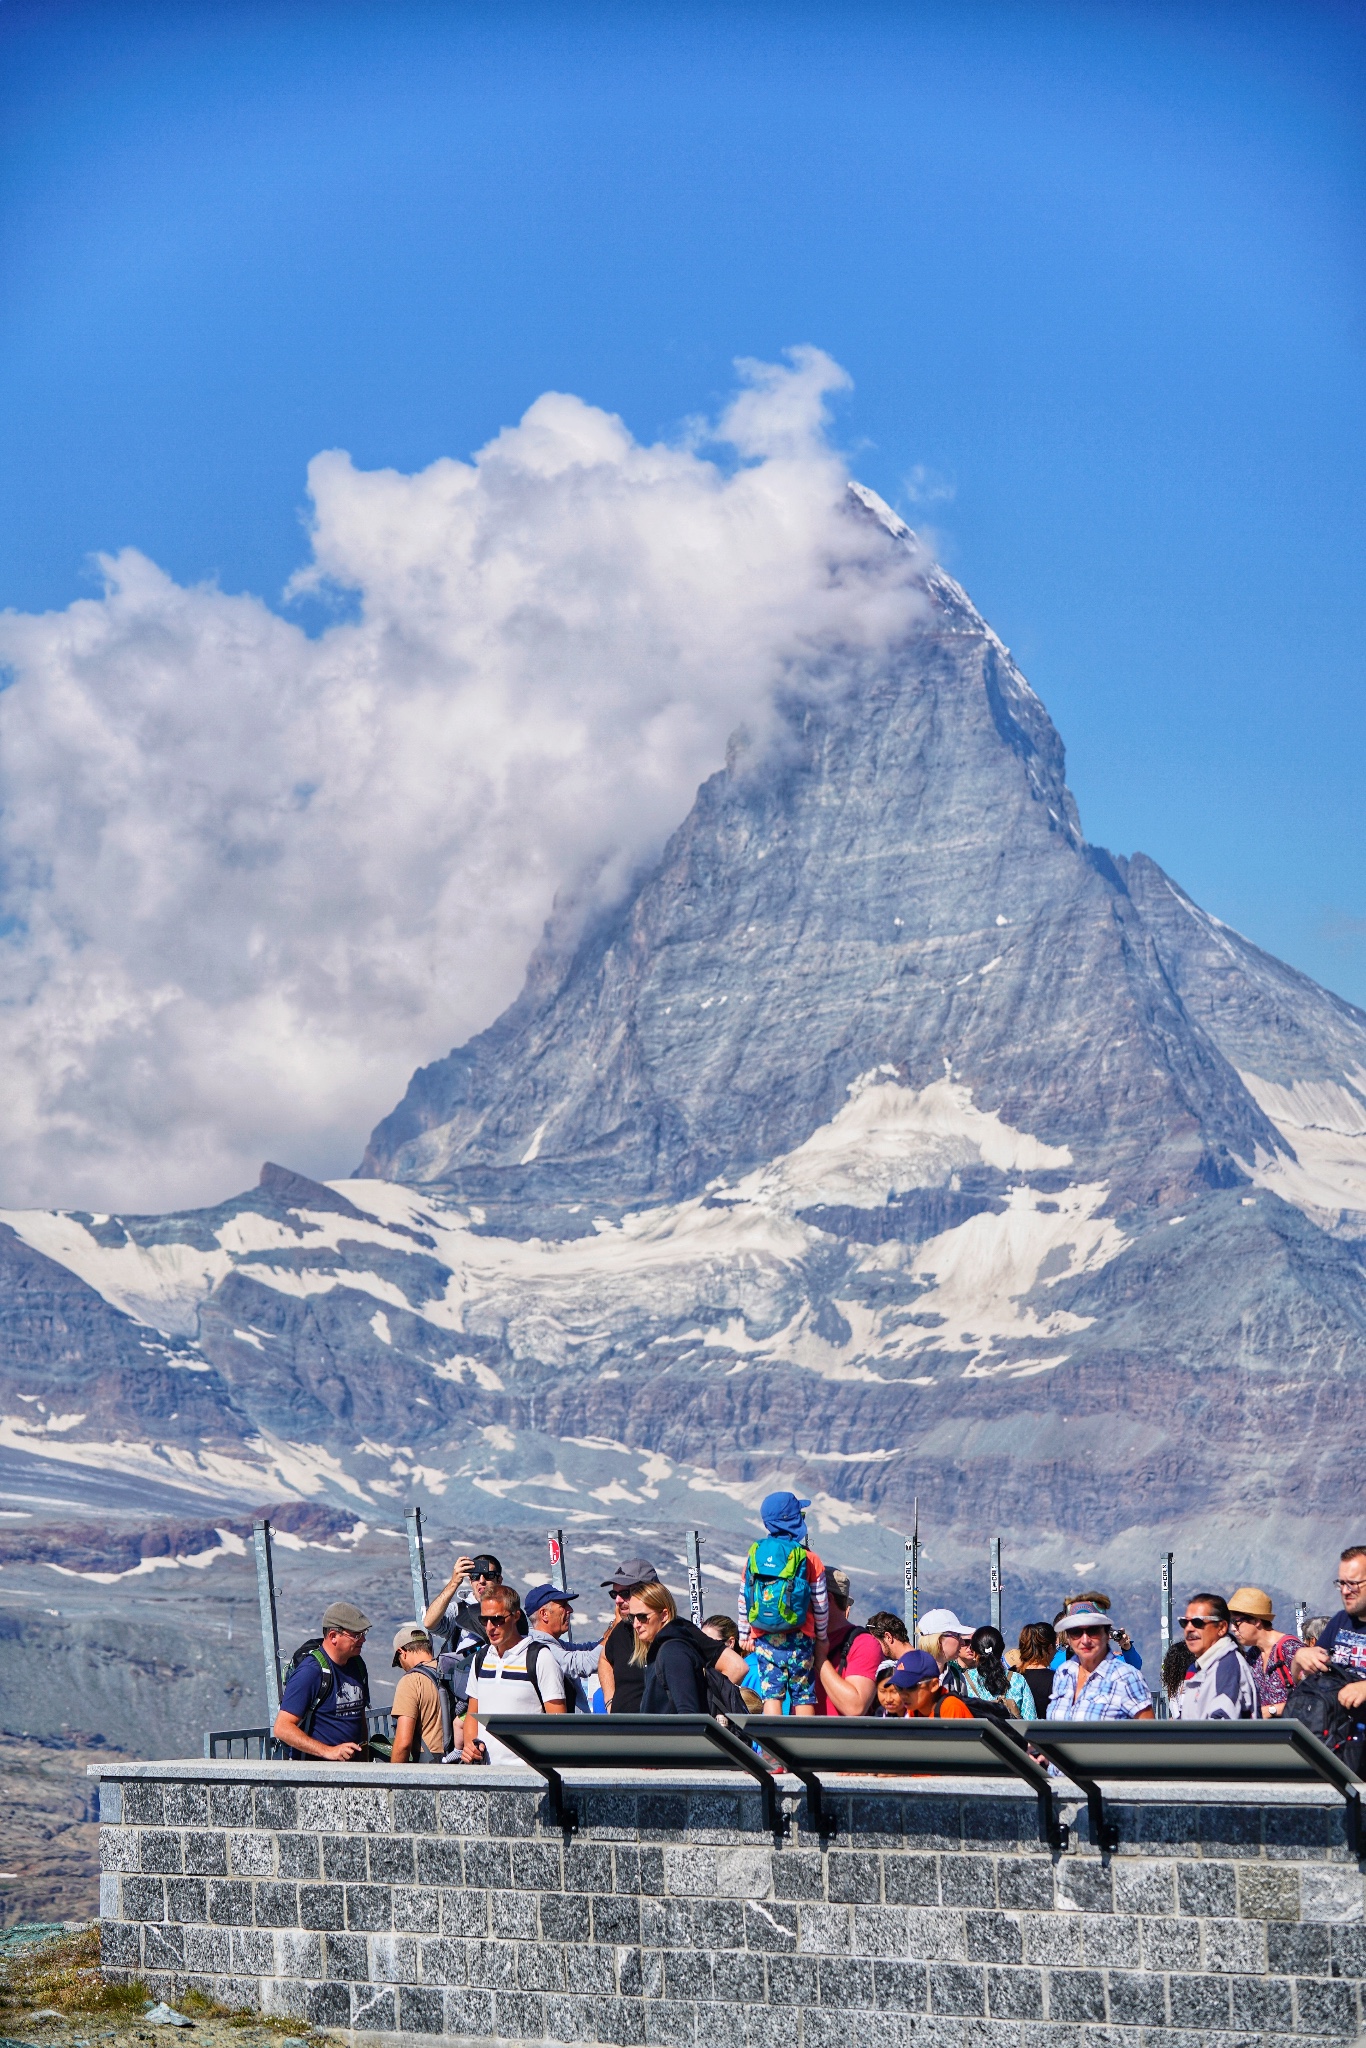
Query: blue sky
<point x="1095" y="271"/>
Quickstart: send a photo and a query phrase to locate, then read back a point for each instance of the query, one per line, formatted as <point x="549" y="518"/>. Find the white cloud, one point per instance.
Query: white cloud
<point x="255" y="878"/>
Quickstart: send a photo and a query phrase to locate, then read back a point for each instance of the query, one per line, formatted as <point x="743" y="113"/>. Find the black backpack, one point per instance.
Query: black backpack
<point x="1314" y="1703"/>
<point x="840" y="1657"/>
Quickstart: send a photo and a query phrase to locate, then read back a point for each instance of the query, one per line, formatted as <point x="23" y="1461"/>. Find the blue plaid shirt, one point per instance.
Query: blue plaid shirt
<point x="1114" y="1692"/>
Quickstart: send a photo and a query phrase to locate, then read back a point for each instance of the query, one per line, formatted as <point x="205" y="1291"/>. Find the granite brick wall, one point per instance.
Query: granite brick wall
<point x="446" y="1903"/>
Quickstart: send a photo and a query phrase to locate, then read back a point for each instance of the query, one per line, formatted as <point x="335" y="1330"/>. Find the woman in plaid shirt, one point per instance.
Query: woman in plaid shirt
<point x="1091" y="1685"/>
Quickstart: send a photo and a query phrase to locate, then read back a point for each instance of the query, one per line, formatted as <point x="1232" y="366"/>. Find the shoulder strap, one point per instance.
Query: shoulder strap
<point x="310" y="1712"/>
<point x="533" y="1658"/>
<point x="841" y="1656"/>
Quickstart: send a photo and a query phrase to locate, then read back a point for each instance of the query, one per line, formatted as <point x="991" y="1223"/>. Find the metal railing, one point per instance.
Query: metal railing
<point x="253" y="1744"/>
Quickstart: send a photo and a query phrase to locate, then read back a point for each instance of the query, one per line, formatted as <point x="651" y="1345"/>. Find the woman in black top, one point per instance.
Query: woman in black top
<point x="669" y="1653"/>
<point x="1038" y="1641"/>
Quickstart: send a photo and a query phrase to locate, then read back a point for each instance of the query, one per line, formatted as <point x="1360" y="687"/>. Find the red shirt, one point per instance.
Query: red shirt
<point x="864" y="1657"/>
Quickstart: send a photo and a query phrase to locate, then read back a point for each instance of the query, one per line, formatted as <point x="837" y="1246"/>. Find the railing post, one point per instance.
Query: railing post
<point x="996" y="1582"/>
<point x="270" y="1628"/>
<point x="1161" y="1711"/>
<point x="913" y="1576"/>
<point x="559" y="1568"/>
<point x="417" y="1564"/>
<point x="1301" y="1616"/>
<point x="695" y="1576"/>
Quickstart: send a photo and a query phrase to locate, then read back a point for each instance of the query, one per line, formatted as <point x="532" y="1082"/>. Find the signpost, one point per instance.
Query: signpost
<point x="559" y="1570"/>
<point x="270" y="1629"/>
<point x="417" y="1564"/>
<point x="695" y="1576"/>
<point x="913" y="1576"/>
<point x="996" y="1582"/>
<point x="1301" y="1616"/>
<point x="1161" y="1711"/>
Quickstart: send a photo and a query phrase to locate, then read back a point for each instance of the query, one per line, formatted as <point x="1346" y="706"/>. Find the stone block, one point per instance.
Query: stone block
<point x="1055" y="1939"/>
<point x="390" y="1859"/>
<point x="1262" y="2004"/>
<point x="668" y="1923"/>
<point x="369" y="1908"/>
<point x="163" y="1947"/>
<point x="346" y="1956"/>
<point x="588" y="1866"/>
<point x="936" y="1935"/>
<point x="464" y="1914"/>
<point x="539" y="1967"/>
<point x="616" y="1918"/>
<point x="1198" y="2002"/>
<point x="443" y="1962"/>
<point x="924" y="1824"/>
<point x="298" y="1955"/>
<point x="515" y="1813"/>
<point x="393" y="1958"/>
<point x="208" y="1949"/>
<point x="420" y="2011"/>
<point x="1299" y="1831"/>
<point x="512" y="1915"/>
<point x="1024" y="1884"/>
<point x="1138" y="1998"/>
<point x="109" y="1800"/>
<point x="792" y="1980"/>
<point x="159" y="1849"/>
<point x="230" y="1806"/>
<point x="368" y="1811"/>
<point x="144" y="1803"/>
<point x="251" y="1855"/>
<point x="416" y="1910"/>
<point x="328" y="2005"/>
<point x="1268" y="1891"/>
<point x="1083" y="1884"/>
<point x="1173" y="1826"/>
<point x="878" y="1930"/>
<point x="967" y="1880"/>
<point x="253" y="1952"/>
<point x="1231" y="1830"/>
<point x="829" y="2028"/>
<point x="568" y="2019"/>
<point x="297" y="1856"/>
<point x="321" y="1905"/>
<point x="491" y="1964"/>
<point x="994" y="1938"/>
<point x="669" y="2023"/>
<point x="118" y="1848"/>
<point x="144" y="1898"/>
<point x="1143" y="1886"/>
<point x="285" y="1998"/>
<point x="539" y="1867"/>
<point x="638" y="1871"/>
<point x="1330" y="1891"/>
<point x="639" y="1973"/>
<point x="276" y="1807"/>
<point x="590" y="1969"/>
<point x="798" y="1874"/>
<point x="901" y="1987"/>
<point x="1170" y="1944"/>
<point x="565" y="1917"/>
<point x="206" y="1852"/>
<point x="344" y="1858"/>
<point x="374" y="2009"/>
<point x="111" y="1896"/>
<point x="722" y="2025"/>
<point x="687" y="1974"/>
<point x="1015" y="1994"/>
<point x="735" y="1977"/>
<point x="771" y="1927"/>
<point x="1348" y="1949"/>
<point x="1207" y="1889"/>
<point x="1110" y="1939"/>
<point x="996" y="1823"/>
<point x="277" y="1905"/>
<point x="187" y="1899"/>
<point x="770" y="2026"/>
<point x="828" y="1930"/>
<point x="854" y="1877"/>
<point x="690" y="1872"/>
<point x="440" y="1860"/>
<point x="322" y="1810"/>
<point x="1234" y="1945"/>
<point x="1325" y="2007"/>
<point x="488" y="1865"/>
<point x="464" y="1813"/>
<point x="1076" y="1995"/>
<point x="846" y="1983"/>
<point x="717" y="1815"/>
<point x="186" y="1805"/>
<point x="415" y="1813"/>
<point x="120" y="1945"/>
<point x="243" y="1993"/>
<point x="957" y="1988"/>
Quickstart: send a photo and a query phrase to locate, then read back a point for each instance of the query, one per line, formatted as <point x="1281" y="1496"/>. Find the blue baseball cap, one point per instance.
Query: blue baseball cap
<point x="914" y="1668"/>
<point x="541" y="1596"/>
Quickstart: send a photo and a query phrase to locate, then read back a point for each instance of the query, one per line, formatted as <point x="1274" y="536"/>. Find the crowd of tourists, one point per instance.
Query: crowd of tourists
<point x="793" y="1646"/>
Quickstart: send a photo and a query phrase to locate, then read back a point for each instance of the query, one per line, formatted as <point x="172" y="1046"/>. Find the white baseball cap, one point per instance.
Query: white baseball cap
<point x="942" y="1621"/>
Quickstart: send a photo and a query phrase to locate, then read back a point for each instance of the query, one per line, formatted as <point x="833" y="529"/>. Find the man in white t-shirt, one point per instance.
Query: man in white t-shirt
<point x="514" y="1675"/>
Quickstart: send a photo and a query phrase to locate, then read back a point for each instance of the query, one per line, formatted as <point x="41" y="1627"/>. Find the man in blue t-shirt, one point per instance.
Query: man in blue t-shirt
<point x="1343" y="1642"/>
<point x="322" y="1710"/>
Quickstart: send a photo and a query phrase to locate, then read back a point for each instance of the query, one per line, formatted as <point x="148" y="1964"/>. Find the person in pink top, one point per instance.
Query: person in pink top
<point x="846" y="1679"/>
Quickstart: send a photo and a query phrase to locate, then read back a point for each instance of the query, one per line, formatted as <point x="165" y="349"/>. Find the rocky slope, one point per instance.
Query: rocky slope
<point x="888" y="1139"/>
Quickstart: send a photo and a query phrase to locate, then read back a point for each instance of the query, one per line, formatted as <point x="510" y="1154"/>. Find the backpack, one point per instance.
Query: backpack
<point x="840" y="1657"/>
<point x="777" y="1589"/>
<point x="1314" y="1704"/>
<point x="724" y="1696"/>
<point x="314" y="1648"/>
<point x="445" y="1692"/>
<point x="988" y="1710"/>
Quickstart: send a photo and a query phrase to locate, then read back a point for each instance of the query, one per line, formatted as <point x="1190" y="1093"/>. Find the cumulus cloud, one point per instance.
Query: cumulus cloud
<point x="252" y="878"/>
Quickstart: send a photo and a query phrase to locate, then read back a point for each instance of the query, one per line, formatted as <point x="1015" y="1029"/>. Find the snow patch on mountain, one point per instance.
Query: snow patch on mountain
<point x="1324" y="1124"/>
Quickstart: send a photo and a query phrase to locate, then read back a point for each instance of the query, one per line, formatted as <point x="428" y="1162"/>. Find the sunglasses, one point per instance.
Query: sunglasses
<point x="1087" y="1635"/>
<point x="1198" y="1621"/>
<point x="1245" y="1620"/>
<point x="496" y="1620"/>
<point x="1349" y="1585"/>
<point x="485" y="1577"/>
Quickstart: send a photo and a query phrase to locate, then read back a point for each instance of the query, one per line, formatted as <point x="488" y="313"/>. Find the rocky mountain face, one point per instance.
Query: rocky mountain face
<point x="889" y="1140"/>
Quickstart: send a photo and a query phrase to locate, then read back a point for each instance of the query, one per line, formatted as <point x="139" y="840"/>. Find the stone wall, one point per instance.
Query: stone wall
<point x="444" y="1902"/>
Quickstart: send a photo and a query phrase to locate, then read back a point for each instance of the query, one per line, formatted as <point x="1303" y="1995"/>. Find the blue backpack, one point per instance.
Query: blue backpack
<point x="777" y="1589"/>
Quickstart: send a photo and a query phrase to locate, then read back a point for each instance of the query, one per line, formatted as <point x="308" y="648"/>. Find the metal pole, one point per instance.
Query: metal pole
<point x="996" y="1582"/>
<point x="1161" y="1710"/>
<point x="559" y="1575"/>
<point x="913" y="1576"/>
<point x="417" y="1564"/>
<point x="1301" y="1616"/>
<point x="695" y="1576"/>
<point x="270" y="1628"/>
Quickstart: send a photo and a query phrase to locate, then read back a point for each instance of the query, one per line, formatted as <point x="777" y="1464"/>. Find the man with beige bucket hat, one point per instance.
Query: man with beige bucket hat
<point x="1268" y="1649"/>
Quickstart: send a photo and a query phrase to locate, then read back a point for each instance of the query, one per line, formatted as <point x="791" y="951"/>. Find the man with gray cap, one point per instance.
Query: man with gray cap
<point x="322" y="1709"/>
